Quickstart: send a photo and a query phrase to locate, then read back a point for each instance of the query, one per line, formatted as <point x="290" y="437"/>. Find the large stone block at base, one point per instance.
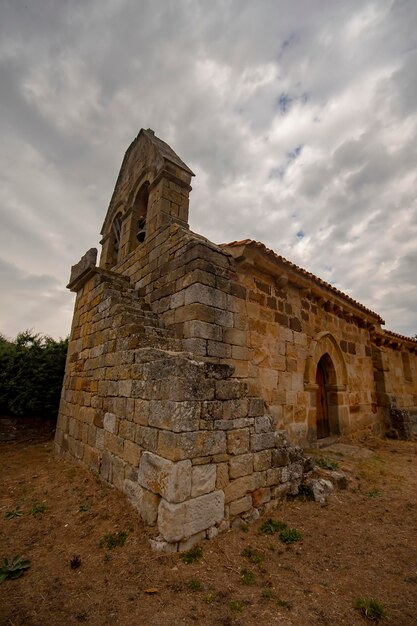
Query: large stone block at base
<point x="170" y="480"/>
<point x="179" y="521"/>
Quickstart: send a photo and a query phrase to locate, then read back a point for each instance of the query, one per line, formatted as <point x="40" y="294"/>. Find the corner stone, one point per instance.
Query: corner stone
<point x="170" y="480"/>
<point x="180" y="521"/>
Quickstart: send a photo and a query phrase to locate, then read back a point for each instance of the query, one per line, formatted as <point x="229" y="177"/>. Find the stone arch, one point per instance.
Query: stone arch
<point x="326" y="358"/>
<point x="324" y="343"/>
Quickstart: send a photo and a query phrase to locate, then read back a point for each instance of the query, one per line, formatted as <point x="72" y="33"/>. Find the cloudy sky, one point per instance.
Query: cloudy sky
<point x="298" y="117"/>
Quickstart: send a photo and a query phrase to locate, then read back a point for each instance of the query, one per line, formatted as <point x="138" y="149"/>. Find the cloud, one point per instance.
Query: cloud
<point x="296" y="119"/>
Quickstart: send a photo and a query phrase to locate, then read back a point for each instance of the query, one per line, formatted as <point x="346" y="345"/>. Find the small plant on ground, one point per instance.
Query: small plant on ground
<point x="195" y="585"/>
<point x="374" y="493"/>
<point x="235" y="606"/>
<point x="15" y="513"/>
<point x="81" y="616"/>
<point x="272" y="526"/>
<point x="83" y="508"/>
<point x="370" y="608"/>
<point x="75" y="562"/>
<point x="284" y="604"/>
<point x="193" y="555"/>
<point x="267" y="593"/>
<point x="326" y="463"/>
<point x="290" y="535"/>
<point x="113" y="540"/>
<point x="37" y="508"/>
<point x="244" y="527"/>
<point x="14" y="568"/>
<point x="253" y="555"/>
<point x="208" y="599"/>
<point x="247" y="577"/>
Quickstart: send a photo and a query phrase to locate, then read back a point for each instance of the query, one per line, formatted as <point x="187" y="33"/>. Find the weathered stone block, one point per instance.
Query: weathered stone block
<point x="262" y="441"/>
<point x="180" y="521"/>
<point x="240" y="506"/>
<point x="143" y="500"/>
<point x="241" y="465"/>
<point x="239" y="487"/>
<point x="175" y="416"/>
<point x="263" y="424"/>
<point x="170" y="480"/>
<point x="238" y="441"/>
<point x="203" y="479"/>
<point x="280" y="457"/>
<point x="178" y="446"/>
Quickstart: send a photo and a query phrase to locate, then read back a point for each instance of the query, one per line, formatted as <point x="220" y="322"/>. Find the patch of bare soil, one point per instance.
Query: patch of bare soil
<point x="362" y="544"/>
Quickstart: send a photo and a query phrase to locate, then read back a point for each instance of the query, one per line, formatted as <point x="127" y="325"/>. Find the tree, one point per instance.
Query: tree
<point x="31" y="372"/>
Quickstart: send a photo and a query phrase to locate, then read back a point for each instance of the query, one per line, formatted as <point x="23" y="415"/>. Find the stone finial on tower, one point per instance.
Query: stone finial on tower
<point x="151" y="191"/>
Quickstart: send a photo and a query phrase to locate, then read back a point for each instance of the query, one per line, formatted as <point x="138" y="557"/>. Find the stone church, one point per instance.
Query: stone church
<point x="196" y="372"/>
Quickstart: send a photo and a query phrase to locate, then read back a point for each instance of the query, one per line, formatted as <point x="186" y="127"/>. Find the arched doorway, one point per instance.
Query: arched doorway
<point x="326" y="410"/>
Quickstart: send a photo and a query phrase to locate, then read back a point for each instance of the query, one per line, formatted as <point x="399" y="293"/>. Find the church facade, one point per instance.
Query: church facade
<point x="196" y="372"/>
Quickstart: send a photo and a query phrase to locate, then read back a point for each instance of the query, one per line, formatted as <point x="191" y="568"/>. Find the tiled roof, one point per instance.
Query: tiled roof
<point x="399" y="337"/>
<point x="276" y="257"/>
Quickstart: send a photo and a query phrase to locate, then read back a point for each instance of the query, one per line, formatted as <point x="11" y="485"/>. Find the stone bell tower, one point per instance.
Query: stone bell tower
<point x="152" y="190"/>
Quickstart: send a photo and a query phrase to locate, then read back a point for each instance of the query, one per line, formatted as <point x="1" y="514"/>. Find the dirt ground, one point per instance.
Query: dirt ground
<point x="363" y="543"/>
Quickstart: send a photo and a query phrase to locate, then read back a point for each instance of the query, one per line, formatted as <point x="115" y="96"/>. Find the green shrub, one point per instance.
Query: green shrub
<point x="247" y="577"/>
<point x="14" y="568"/>
<point x="326" y="463"/>
<point x="290" y="535"/>
<point x="192" y="555"/>
<point x="31" y="372"/>
<point x="370" y="608"/>
<point x="272" y="526"/>
<point x="113" y="540"/>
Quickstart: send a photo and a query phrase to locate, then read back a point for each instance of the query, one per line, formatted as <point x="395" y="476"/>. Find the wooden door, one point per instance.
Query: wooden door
<point x="323" y="424"/>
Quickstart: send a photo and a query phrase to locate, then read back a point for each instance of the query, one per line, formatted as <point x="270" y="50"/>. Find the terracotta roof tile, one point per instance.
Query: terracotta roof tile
<point x="303" y="272"/>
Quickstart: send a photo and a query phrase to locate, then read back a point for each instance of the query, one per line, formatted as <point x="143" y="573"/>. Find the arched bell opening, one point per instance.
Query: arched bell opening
<point x="116" y="232"/>
<point x="139" y="216"/>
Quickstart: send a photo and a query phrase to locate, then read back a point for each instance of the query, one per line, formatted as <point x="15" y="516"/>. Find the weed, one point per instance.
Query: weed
<point x="113" y="540"/>
<point x="81" y="616"/>
<point x="37" y="508"/>
<point x="267" y="593"/>
<point x="13" y="569"/>
<point x="75" y="562"/>
<point x="83" y="508"/>
<point x="326" y="463"/>
<point x="244" y="527"/>
<point x="374" y="493"/>
<point x="208" y="599"/>
<point x="284" y="604"/>
<point x="290" y="535"/>
<point x="195" y="585"/>
<point x="370" y="608"/>
<point x="272" y="526"/>
<point x="107" y="557"/>
<point x="253" y="555"/>
<point x="191" y="556"/>
<point x="15" y="513"/>
<point x="235" y="606"/>
<point x="305" y="491"/>
<point x="247" y="577"/>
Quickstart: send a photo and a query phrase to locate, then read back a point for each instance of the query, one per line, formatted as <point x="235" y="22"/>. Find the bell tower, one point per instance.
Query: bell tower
<point x="152" y="191"/>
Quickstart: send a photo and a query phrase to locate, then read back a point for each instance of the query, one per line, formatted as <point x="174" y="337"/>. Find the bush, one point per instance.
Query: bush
<point x="31" y="372"/>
